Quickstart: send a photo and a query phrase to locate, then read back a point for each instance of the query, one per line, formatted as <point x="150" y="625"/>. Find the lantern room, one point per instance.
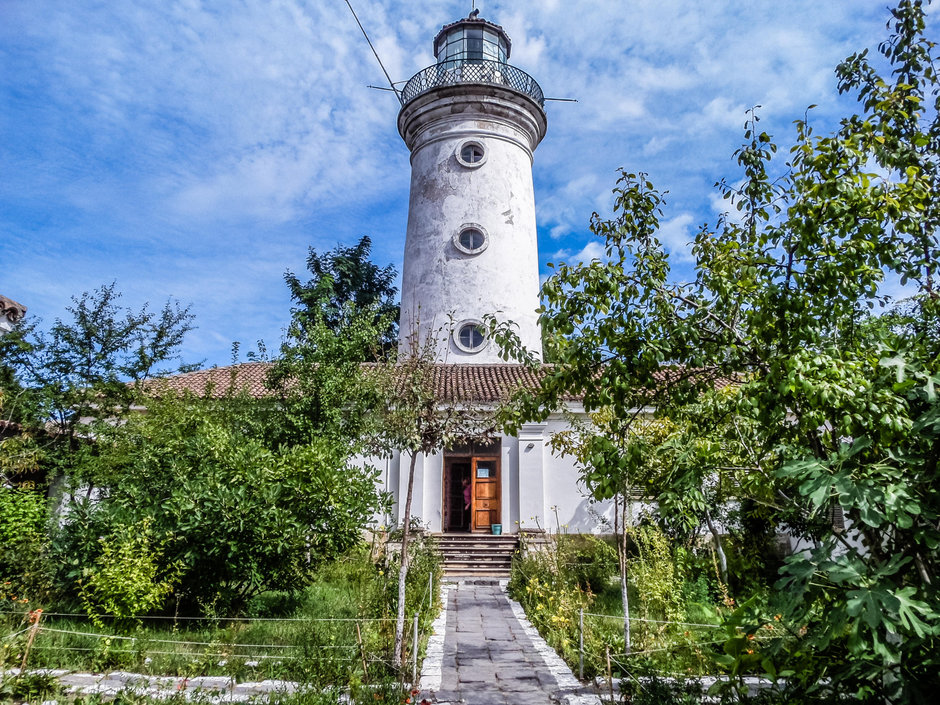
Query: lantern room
<point x="471" y="40"/>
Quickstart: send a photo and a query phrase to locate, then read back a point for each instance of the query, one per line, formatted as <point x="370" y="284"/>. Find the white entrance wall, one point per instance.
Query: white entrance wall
<point x="540" y="489"/>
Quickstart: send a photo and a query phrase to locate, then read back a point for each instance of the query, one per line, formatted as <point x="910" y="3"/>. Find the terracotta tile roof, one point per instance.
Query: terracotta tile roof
<point x="471" y="383"/>
<point x="11" y="309"/>
<point x="478" y="383"/>
<point x="217" y="381"/>
<point x="486" y="383"/>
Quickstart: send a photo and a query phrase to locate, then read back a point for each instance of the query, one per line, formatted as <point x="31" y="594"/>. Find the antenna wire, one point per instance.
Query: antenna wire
<point x="387" y="77"/>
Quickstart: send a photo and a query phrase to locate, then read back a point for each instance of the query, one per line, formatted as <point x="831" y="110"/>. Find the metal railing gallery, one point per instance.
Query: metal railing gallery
<point x="450" y="73"/>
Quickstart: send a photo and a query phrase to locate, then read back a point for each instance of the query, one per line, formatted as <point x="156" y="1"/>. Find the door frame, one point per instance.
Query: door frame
<point x="446" y="480"/>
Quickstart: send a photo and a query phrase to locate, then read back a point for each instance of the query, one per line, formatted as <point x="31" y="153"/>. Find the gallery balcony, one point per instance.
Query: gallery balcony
<point x="481" y="72"/>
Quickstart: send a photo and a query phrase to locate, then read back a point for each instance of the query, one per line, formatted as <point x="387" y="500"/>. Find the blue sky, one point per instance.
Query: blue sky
<point x="194" y="149"/>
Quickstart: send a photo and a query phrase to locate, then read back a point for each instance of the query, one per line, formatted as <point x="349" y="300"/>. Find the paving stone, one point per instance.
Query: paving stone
<point x="210" y="682"/>
<point x="531" y="698"/>
<point x="524" y="676"/>
<point x="475" y="674"/>
<point x="546" y="680"/>
<point x="500" y="637"/>
<point x="485" y="696"/>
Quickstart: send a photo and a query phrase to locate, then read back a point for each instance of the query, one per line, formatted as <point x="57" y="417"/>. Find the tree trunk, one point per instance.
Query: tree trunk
<point x="622" y="561"/>
<point x="722" y="559"/>
<point x="405" y="562"/>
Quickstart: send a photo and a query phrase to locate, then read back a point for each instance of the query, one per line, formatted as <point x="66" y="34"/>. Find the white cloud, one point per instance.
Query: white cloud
<point x="593" y="250"/>
<point x="676" y="237"/>
<point x="165" y="143"/>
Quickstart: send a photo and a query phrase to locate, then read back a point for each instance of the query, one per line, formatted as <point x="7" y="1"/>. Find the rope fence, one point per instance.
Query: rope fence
<point x="82" y="615"/>
<point x="586" y="631"/>
<point x="363" y="641"/>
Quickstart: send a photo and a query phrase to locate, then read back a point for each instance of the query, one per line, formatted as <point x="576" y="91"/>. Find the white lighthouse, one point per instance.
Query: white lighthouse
<point x="472" y="123"/>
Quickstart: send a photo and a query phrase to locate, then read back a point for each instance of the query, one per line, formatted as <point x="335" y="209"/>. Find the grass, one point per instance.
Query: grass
<point x="671" y="614"/>
<point x="34" y="688"/>
<point x="337" y="631"/>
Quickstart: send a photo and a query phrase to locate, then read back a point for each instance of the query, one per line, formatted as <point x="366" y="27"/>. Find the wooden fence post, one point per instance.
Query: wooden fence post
<point x="34" y="618"/>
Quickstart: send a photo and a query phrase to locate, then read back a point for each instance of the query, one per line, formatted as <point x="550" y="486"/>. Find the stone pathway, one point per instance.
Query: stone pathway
<point x="491" y="655"/>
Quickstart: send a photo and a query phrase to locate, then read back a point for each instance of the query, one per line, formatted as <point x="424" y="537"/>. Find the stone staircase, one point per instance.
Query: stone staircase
<point x="477" y="555"/>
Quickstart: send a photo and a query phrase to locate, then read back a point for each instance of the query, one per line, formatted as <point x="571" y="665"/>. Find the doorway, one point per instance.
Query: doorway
<point x="471" y="488"/>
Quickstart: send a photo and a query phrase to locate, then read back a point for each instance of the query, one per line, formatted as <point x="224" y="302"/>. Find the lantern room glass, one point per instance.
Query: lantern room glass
<point x="471" y="43"/>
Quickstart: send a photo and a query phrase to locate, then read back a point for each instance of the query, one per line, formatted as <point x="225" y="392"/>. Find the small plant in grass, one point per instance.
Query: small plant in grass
<point x="653" y="690"/>
<point x="27" y="687"/>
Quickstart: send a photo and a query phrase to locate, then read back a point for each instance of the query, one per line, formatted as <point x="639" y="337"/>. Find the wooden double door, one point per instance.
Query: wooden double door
<point x="471" y="492"/>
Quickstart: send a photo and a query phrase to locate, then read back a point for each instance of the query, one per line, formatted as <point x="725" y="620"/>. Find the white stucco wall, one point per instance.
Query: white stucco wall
<point x="536" y="485"/>
<point x="443" y="286"/>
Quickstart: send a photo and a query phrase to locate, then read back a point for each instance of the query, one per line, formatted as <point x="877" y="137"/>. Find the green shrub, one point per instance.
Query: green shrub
<point x="128" y="578"/>
<point x="591" y="561"/>
<point x="24" y="572"/>
<point x="241" y="518"/>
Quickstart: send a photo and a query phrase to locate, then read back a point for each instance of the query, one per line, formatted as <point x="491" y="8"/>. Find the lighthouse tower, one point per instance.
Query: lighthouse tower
<point x="472" y="123"/>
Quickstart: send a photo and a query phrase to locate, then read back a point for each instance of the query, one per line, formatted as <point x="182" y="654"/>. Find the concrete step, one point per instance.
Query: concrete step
<point x="478" y="560"/>
<point x="507" y="549"/>
<point x="460" y="573"/>
<point x="477" y="555"/>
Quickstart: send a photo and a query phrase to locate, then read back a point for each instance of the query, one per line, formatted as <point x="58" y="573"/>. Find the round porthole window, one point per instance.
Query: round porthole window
<point x="471" y="154"/>
<point x="469" y="337"/>
<point x="471" y="239"/>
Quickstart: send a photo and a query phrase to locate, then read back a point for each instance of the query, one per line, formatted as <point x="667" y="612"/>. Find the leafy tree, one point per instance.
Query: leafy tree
<point x="89" y="368"/>
<point x="320" y="382"/>
<point x="344" y="281"/>
<point x="240" y="495"/>
<point x="230" y="515"/>
<point x="417" y="420"/>
<point x="836" y="406"/>
<point x="62" y="385"/>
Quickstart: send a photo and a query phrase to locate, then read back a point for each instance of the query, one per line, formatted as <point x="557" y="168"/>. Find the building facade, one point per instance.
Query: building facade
<point x="472" y="123"/>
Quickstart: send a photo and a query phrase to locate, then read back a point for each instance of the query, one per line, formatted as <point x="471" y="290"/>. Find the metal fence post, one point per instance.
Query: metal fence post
<point x="581" y="643"/>
<point x="430" y="591"/>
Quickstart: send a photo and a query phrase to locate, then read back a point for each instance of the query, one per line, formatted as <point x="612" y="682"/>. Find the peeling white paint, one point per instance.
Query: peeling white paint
<point x="441" y="285"/>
